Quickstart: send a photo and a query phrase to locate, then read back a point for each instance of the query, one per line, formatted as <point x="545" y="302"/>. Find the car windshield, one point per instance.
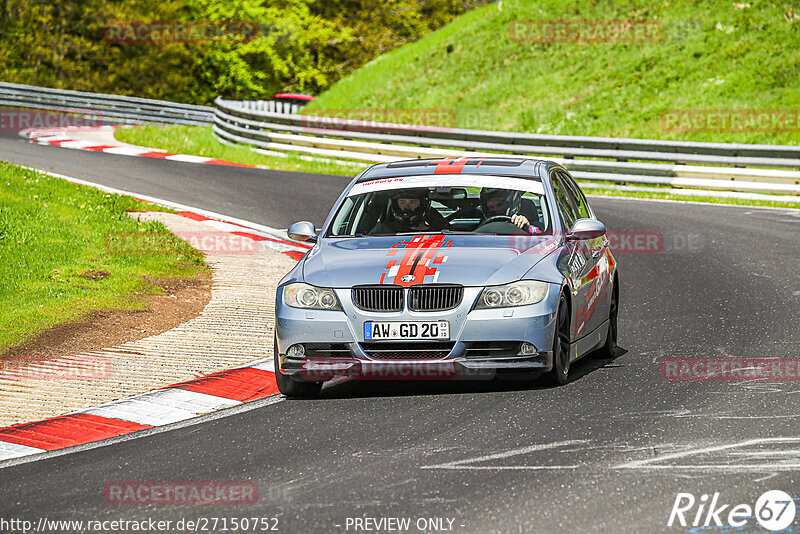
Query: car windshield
<point x="464" y="204"/>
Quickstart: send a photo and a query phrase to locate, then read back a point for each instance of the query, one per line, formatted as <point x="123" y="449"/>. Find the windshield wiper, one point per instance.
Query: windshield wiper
<point x="446" y="232"/>
<point x="465" y="232"/>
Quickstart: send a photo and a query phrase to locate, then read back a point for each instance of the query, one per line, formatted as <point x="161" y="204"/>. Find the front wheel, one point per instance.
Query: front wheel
<point x="290" y="387"/>
<point x="609" y="349"/>
<point x="560" y="373"/>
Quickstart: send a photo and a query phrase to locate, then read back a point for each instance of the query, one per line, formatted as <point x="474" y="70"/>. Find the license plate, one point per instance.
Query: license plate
<point x="412" y="330"/>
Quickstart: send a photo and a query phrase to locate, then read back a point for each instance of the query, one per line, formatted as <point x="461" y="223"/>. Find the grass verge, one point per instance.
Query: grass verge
<point x="57" y="260"/>
<point x="200" y="141"/>
<point x="514" y="66"/>
<point x="668" y="195"/>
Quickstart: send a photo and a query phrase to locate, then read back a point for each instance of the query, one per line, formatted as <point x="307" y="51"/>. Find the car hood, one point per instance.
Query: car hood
<point x="424" y="259"/>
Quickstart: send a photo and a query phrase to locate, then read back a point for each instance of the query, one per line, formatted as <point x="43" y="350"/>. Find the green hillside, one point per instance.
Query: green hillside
<point x="492" y="69"/>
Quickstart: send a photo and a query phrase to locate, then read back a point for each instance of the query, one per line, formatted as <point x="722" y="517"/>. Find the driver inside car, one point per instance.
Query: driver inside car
<point x="410" y="211"/>
<point x="505" y="203"/>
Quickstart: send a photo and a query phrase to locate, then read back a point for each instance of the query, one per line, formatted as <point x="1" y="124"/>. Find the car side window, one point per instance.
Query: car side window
<point x="564" y="203"/>
<point x="579" y="200"/>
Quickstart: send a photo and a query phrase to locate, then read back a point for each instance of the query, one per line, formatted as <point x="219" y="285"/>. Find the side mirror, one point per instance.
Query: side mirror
<point x="302" y="231"/>
<point x="586" y="229"/>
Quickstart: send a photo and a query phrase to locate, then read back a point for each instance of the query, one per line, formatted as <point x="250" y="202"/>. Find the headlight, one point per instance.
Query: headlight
<point x="513" y="294"/>
<point x="300" y="295"/>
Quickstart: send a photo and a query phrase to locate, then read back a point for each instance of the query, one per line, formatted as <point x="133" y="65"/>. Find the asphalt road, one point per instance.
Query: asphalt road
<point x="258" y="195"/>
<point x="608" y="452"/>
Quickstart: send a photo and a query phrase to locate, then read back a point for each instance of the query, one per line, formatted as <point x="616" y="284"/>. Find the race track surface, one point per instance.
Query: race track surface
<point x="608" y="452"/>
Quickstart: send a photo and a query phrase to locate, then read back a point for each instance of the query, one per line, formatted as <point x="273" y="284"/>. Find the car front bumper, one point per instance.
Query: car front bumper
<point x="470" y="330"/>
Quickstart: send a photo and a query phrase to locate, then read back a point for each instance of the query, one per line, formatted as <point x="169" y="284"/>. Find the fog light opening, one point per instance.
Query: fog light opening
<point x="296" y="351"/>
<point x="527" y="349"/>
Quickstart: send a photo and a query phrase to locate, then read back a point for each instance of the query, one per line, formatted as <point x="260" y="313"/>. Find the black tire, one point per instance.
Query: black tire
<point x="559" y="375"/>
<point x="290" y="387"/>
<point x="609" y="349"/>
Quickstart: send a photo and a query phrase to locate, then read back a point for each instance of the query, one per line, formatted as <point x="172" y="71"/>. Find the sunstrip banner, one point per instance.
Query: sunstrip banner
<point x="448" y="180"/>
<point x="418" y="264"/>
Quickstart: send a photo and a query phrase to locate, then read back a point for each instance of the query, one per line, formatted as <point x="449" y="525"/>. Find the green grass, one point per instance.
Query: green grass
<point x="54" y="235"/>
<point x="710" y="56"/>
<point x="685" y="198"/>
<point x="200" y="141"/>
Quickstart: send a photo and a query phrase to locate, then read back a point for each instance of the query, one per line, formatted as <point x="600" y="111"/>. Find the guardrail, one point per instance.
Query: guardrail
<point x="677" y="163"/>
<point x="127" y="109"/>
<point x="270" y="106"/>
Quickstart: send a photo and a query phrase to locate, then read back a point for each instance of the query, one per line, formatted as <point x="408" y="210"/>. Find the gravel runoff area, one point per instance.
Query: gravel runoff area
<point x="234" y="328"/>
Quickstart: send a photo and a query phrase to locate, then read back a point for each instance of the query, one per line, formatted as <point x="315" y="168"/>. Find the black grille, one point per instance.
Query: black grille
<point x="326" y="350"/>
<point x="490" y="349"/>
<point x="378" y="298"/>
<point x="435" y="297"/>
<point x="408" y="350"/>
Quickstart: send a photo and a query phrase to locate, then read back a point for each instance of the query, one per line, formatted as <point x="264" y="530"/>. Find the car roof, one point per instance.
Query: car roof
<point x="516" y="167"/>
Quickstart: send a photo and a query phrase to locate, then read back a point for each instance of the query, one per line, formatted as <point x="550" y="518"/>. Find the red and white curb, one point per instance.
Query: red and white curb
<point x="270" y="237"/>
<point x="70" y="137"/>
<point x="292" y="249"/>
<point x="161" y="407"/>
<point x="169" y="405"/>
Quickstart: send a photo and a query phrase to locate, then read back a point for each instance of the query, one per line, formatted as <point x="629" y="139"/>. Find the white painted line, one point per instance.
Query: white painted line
<point x="127" y="151"/>
<point x="224" y="226"/>
<point x="267" y="231"/>
<point x="693" y="192"/>
<point x="694" y="203"/>
<point x="57" y="137"/>
<point x="188" y="158"/>
<point x="461" y="464"/>
<point x="12" y="450"/>
<point x="141" y="411"/>
<point x="767" y="468"/>
<point x="80" y="143"/>
<point x="267" y="364"/>
<point x="162" y="407"/>
<point x="650" y="463"/>
<point x="191" y="400"/>
<point x="282" y="247"/>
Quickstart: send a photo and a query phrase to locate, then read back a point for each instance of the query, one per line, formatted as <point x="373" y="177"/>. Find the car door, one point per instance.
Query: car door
<point x="576" y="260"/>
<point x="593" y="311"/>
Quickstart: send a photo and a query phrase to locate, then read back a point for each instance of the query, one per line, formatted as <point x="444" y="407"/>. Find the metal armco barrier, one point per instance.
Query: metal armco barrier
<point x="677" y="163"/>
<point x="125" y="109"/>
